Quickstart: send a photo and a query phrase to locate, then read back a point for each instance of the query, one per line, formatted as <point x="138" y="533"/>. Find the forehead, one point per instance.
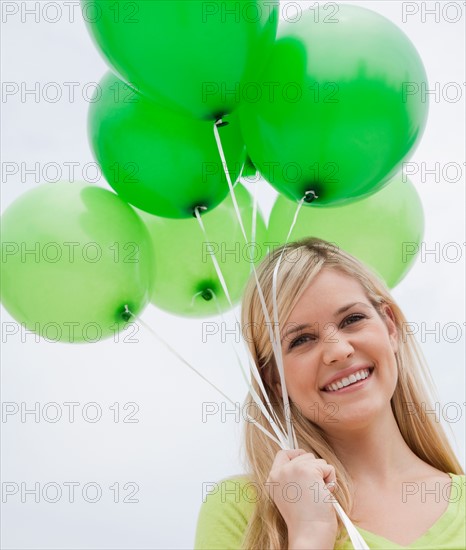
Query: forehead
<point x="330" y="290"/>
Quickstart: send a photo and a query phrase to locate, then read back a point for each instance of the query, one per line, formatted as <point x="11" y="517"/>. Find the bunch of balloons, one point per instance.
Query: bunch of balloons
<point x="199" y="95"/>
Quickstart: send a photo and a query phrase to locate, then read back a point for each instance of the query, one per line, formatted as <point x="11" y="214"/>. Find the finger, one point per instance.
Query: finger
<point x="329" y="475"/>
<point x="284" y="456"/>
<point x="326" y="470"/>
<point x="305" y="457"/>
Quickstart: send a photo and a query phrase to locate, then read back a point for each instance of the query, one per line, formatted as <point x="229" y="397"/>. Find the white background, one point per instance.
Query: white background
<point x="170" y="453"/>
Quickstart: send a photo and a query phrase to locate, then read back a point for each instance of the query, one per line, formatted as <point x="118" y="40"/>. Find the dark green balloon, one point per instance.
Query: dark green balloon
<point x="195" y="54"/>
<point x="249" y="170"/>
<point x="339" y="105"/>
<point x="185" y="272"/>
<point x="73" y="257"/>
<point x="383" y="230"/>
<point x="163" y="162"/>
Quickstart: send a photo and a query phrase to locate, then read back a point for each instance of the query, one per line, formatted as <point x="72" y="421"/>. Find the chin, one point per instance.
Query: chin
<point x="356" y="418"/>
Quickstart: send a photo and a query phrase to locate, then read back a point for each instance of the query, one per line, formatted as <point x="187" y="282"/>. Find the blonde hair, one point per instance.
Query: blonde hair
<point x="300" y="264"/>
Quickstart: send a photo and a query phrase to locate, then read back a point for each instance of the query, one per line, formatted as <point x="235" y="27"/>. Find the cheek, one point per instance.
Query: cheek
<point x="300" y="382"/>
<point x="378" y="342"/>
<point x="388" y="371"/>
<point x="394" y="371"/>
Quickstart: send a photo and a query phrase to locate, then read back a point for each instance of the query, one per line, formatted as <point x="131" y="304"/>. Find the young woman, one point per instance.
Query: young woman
<point x="359" y="401"/>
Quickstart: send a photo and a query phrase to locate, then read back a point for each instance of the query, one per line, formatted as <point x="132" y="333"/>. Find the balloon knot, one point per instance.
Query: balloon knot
<point x="219" y="123"/>
<point x="126" y="315"/>
<point x="207" y="294"/>
<point x="197" y="208"/>
<point x="310" y="196"/>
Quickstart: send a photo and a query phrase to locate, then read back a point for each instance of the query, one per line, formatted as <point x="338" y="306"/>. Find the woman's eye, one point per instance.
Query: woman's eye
<point x="353" y="317"/>
<point x="300" y="340"/>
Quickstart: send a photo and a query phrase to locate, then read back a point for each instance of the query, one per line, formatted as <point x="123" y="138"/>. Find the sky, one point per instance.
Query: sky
<point x="148" y="435"/>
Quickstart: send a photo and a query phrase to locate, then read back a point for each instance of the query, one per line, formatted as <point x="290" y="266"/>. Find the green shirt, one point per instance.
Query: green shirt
<point x="226" y="510"/>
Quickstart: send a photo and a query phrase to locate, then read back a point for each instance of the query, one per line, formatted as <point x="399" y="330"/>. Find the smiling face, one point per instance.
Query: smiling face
<point x="324" y="340"/>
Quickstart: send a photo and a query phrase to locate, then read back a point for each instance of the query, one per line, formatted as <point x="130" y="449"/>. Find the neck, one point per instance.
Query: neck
<point x="375" y="453"/>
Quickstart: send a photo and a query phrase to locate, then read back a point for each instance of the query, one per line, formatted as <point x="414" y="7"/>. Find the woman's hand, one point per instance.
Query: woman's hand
<point x="296" y="484"/>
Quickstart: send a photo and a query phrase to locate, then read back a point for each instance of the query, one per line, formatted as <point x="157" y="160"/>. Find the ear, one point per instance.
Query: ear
<point x="271" y="381"/>
<point x="391" y="326"/>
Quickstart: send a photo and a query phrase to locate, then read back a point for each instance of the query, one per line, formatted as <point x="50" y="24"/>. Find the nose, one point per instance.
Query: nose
<point x="336" y="347"/>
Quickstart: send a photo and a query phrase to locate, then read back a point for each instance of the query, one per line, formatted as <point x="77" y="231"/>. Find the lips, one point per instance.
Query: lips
<point x="345" y="373"/>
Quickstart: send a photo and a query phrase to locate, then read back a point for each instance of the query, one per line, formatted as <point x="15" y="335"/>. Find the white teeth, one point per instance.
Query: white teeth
<point x="346" y="381"/>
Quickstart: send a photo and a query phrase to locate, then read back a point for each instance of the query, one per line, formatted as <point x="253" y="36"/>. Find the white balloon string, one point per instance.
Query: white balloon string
<point x="356" y="539"/>
<point x="214" y="259"/>
<point x="227" y="294"/>
<point x="176" y="354"/>
<point x="263" y="406"/>
<point x="275" y="344"/>
<point x="254" y="215"/>
<point x="183" y="360"/>
<point x="279" y="356"/>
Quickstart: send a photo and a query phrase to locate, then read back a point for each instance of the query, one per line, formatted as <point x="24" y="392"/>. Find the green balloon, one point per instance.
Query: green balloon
<point x="383" y="230"/>
<point x="163" y="162"/>
<point x="75" y="258"/>
<point x="185" y="279"/>
<point x="340" y="106"/>
<point x="195" y="54"/>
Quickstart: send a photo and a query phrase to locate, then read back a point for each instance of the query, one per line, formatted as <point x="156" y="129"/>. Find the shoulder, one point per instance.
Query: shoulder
<point x="458" y="488"/>
<point x="226" y="508"/>
<point x="235" y="493"/>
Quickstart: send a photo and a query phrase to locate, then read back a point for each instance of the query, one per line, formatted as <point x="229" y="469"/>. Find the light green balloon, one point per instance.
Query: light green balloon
<point x="383" y="230"/>
<point x="185" y="274"/>
<point x="74" y="258"/>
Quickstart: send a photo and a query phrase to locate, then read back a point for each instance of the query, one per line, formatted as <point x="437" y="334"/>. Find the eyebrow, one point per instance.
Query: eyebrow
<point x="339" y="311"/>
